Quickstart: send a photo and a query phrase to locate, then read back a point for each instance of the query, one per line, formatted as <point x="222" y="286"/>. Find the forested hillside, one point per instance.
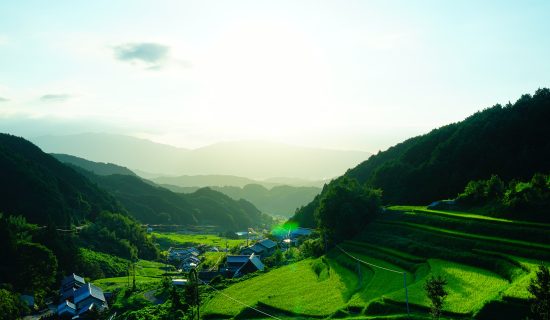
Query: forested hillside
<point x="100" y="168"/>
<point x="512" y="141"/>
<point x="39" y="187"/>
<point x="150" y="203"/>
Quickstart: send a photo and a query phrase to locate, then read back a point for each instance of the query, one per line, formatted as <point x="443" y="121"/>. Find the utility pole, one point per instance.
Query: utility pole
<point x="134" y="276"/>
<point x="194" y="279"/>
<point x="406" y="293"/>
<point x="128" y="271"/>
<point x="359" y="273"/>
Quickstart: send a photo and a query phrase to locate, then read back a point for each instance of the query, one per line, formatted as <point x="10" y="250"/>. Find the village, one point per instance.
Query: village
<point x="82" y="300"/>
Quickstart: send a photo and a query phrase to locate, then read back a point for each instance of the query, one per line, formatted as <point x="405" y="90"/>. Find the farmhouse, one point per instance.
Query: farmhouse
<point x="179" y="254"/>
<point x="79" y="297"/>
<point x="264" y="248"/>
<point x="237" y="266"/>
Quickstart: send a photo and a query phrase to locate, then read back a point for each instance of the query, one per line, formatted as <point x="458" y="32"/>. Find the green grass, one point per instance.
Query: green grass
<point x="212" y="259"/>
<point x="469" y="287"/>
<point x="476" y="236"/>
<point x="167" y="240"/>
<point x="146" y="272"/>
<point x="484" y="259"/>
<point x="296" y="288"/>
<point x="465" y="215"/>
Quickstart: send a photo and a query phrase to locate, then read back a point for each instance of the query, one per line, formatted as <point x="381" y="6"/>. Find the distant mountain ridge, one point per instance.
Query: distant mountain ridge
<point x="252" y="159"/>
<point x="150" y="203"/>
<point x="216" y="180"/>
<point x="280" y="200"/>
<point x="99" y="168"/>
<point x="276" y="199"/>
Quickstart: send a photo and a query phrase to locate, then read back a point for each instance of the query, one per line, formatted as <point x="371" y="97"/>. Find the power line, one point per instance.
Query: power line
<point x="244" y="304"/>
<point x="367" y="263"/>
<point x="383" y="268"/>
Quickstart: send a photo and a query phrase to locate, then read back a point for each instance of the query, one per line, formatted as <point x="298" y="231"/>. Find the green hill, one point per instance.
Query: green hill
<point x="152" y="204"/>
<point x="511" y="141"/>
<point x="275" y="200"/>
<point x="39" y="187"/>
<point x="99" y="168"/>
<point x="279" y="200"/>
<point x="488" y="263"/>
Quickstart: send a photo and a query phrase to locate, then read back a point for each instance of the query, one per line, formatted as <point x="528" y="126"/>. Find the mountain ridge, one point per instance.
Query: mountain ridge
<point x="252" y="159"/>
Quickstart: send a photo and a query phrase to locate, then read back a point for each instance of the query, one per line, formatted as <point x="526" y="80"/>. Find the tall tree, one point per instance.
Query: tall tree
<point x="435" y="290"/>
<point x="346" y="208"/>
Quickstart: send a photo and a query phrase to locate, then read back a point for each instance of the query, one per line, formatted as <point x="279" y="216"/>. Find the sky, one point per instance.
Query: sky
<point x="345" y="74"/>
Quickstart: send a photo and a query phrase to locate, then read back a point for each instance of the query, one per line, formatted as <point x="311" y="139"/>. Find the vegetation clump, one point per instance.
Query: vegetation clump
<point x="520" y="200"/>
<point x="539" y="288"/>
<point x="435" y="290"/>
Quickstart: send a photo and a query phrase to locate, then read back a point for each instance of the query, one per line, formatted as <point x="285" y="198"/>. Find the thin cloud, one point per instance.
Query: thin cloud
<point x="2" y="99"/>
<point x="153" y="55"/>
<point x="55" y="97"/>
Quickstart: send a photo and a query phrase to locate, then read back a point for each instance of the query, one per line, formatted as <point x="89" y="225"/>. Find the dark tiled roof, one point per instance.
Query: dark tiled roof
<point x="72" y="278"/>
<point x="268" y="243"/>
<point x="87" y="291"/>
<point x="237" y="259"/>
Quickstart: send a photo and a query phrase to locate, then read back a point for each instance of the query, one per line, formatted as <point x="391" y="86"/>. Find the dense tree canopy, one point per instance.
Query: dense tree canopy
<point x="519" y="200"/>
<point x="346" y="208"/>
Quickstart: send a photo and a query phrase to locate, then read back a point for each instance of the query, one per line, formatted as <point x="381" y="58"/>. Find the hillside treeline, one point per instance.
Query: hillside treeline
<point x="511" y="141"/>
<point x="523" y="200"/>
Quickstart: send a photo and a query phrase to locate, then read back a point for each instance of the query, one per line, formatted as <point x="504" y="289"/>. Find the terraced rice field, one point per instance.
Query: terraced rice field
<point x="167" y="240"/>
<point x="484" y="260"/>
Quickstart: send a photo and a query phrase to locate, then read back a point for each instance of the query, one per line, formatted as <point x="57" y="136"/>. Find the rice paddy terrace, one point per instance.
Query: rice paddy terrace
<point x="487" y="262"/>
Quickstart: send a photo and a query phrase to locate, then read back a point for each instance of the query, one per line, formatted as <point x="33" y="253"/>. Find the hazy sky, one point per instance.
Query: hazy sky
<point x="338" y="74"/>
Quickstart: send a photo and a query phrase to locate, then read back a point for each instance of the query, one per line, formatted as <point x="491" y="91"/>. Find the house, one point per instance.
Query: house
<point x="236" y="266"/>
<point x="300" y="232"/>
<point x="253" y="264"/>
<point x="179" y="282"/>
<point x="178" y="254"/>
<point x="442" y="205"/>
<point x="254" y="249"/>
<point x="264" y="248"/>
<point x="78" y="298"/>
<point x="69" y="285"/>
<point x="66" y="310"/>
<point x="189" y="264"/>
<point x="88" y="294"/>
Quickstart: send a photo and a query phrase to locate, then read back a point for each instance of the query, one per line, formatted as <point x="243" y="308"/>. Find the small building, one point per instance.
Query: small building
<point x="253" y="264"/>
<point x="442" y="205"/>
<point x="263" y="248"/>
<point x="179" y="282"/>
<point x="78" y="298"/>
<point x="66" y="310"/>
<point x="69" y="285"/>
<point x="236" y="266"/>
<point x="254" y="249"/>
<point x="88" y="294"/>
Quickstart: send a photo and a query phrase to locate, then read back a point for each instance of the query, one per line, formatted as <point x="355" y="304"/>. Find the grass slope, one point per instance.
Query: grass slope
<point x="487" y="263"/>
<point x="146" y="272"/>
